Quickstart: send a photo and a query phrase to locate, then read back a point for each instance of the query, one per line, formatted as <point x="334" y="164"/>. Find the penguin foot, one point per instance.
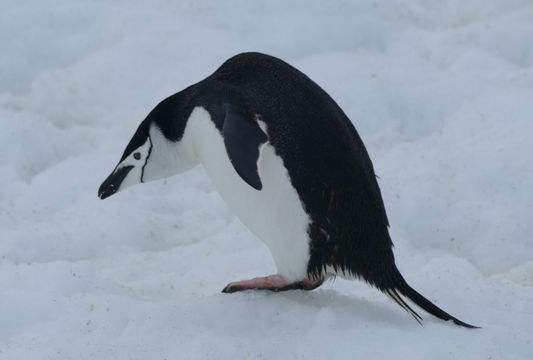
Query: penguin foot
<point x="272" y="283"/>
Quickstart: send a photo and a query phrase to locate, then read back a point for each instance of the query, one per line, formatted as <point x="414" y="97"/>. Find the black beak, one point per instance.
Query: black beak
<point x="113" y="181"/>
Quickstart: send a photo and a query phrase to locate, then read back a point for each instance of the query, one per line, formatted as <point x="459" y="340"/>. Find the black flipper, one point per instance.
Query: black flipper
<point x="242" y="138"/>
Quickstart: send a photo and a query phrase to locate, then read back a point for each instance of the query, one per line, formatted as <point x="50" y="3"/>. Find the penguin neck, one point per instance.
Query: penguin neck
<point x="167" y="157"/>
<point x="197" y="142"/>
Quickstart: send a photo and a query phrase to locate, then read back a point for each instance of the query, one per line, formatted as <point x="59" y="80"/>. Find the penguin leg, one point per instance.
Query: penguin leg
<point x="273" y="283"/>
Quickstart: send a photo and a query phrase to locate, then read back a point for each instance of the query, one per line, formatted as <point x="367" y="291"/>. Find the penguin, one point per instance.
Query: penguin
<point x="289" y="163"/>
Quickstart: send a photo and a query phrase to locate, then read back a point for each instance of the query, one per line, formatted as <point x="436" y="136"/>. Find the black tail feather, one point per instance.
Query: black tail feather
<point x="398" y="299"/>
<point x="422" y="302"/>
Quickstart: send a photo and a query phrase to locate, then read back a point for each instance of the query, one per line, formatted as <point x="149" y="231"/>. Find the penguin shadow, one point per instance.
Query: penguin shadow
<point x="345" y="310"/>
<point x="300" y="309"/>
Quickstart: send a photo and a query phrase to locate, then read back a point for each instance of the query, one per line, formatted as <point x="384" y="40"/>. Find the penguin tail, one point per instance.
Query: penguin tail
<point x="404" y="289"/>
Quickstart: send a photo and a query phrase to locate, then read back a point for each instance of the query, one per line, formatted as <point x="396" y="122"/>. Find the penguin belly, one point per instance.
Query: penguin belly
<point x="275" y="214"/>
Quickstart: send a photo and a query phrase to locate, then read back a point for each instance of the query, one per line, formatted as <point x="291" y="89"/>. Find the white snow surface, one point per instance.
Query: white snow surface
<point x="440" y="91"/>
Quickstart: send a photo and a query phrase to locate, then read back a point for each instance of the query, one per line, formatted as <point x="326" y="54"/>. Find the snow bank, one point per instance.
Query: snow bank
<point x="439" y="90"/>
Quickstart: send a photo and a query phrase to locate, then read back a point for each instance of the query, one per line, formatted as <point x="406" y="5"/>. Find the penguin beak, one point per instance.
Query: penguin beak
<point x="113" y="181"/>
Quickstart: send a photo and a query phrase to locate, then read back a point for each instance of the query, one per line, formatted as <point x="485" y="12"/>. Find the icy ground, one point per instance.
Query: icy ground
<point x="440" y="91"/>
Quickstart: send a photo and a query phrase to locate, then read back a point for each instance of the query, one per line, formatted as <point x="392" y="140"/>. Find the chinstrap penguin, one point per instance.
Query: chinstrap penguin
<point x="288" y="162"/>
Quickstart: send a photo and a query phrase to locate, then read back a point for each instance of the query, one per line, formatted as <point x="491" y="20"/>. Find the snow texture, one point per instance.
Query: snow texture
<point x="440" y="91"/>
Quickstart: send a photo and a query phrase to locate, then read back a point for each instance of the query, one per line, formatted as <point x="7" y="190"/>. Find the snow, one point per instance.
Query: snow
<point x="440" y="91"/>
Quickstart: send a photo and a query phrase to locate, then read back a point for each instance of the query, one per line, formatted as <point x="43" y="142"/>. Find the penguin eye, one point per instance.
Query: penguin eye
<point x="137" y="156"/>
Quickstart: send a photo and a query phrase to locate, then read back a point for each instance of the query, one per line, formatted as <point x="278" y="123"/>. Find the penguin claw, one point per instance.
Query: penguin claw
<point x="231" y="289"/>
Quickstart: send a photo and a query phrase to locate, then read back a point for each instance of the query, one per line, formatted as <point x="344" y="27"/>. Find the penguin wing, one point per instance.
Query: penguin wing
<point x="242" y="139"/>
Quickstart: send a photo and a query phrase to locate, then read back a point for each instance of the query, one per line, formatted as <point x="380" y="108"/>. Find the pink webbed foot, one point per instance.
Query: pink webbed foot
<point x="272" y="283"/>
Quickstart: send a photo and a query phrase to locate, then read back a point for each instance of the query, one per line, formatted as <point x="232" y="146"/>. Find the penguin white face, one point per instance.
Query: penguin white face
<point x="149" y="156"/>
<point x="129" y="171"/>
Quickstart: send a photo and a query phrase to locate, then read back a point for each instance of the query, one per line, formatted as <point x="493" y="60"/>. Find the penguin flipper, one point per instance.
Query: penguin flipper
<point x="242" y="139"/>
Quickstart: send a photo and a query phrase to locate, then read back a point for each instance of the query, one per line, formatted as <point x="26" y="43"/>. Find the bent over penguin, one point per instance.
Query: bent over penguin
<point x="288" y="162"/>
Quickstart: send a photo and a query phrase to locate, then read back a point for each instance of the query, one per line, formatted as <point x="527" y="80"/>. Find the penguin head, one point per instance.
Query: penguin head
<point x="154" y="152"/>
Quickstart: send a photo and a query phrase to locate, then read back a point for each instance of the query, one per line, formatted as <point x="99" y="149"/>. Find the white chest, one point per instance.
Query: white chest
<point x="275" y="214"/>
